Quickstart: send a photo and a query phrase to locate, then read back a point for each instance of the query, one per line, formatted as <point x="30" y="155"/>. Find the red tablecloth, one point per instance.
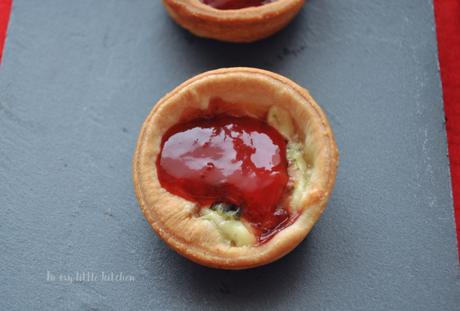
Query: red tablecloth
<point x="448" y="29"/>
<point x="5" y="10"/>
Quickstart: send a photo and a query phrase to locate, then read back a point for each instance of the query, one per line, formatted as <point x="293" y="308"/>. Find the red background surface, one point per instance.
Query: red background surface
<point x="448" y="29"/>
<point x="447" y="14"/>
<point x="5" y="9"/>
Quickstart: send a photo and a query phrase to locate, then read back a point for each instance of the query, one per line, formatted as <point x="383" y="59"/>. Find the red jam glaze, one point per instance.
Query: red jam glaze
<point x="236" y="160"/>
<point x="235" y="4"/>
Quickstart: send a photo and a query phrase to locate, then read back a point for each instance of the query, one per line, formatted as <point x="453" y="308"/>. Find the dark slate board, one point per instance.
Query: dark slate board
<point x="78" y="79"/>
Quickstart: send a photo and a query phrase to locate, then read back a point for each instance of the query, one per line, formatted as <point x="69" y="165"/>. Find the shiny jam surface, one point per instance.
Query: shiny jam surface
<point x="225" y="159"/>
<point x="235" y="4"/>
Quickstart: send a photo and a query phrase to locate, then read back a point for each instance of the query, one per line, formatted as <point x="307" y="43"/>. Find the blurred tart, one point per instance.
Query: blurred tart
<point x="233" y="20"/>
<point x="233" y="168"/>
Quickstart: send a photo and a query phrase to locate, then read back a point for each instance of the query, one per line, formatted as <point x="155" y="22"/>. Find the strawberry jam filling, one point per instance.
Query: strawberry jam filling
<point x="235" y="4"/>
<point x="235" y="160"/>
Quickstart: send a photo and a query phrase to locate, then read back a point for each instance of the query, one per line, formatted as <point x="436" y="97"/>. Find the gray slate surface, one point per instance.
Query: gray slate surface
<point x="78" y="79"/>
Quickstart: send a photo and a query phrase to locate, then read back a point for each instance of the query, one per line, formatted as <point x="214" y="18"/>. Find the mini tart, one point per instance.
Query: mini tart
<point x="246" y="92"/>
<point x="240" y="25"/>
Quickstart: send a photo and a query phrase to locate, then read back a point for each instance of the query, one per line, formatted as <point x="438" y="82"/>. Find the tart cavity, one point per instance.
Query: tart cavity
<point x="238" y="161"/>
<point x="218" y="235"/>
<point x="235" y="4"/>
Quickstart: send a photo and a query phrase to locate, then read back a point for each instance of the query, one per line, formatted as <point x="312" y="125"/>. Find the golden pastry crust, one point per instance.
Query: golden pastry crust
<point x="242" y="25"/>
<point x="253" y="92"/>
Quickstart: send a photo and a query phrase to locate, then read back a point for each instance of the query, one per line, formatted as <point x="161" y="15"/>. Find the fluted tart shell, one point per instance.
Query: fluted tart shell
<point x="240" y="25"/>
<point x="246" y="92"/>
